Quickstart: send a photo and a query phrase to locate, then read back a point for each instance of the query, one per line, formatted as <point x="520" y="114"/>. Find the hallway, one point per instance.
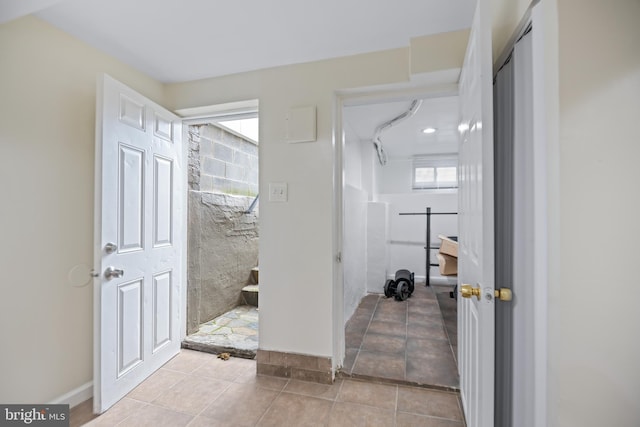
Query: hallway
<point x="410" y="342"/>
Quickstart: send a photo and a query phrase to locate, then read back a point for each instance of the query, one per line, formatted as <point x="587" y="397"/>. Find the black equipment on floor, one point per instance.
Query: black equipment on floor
<point x="402" y="287"/>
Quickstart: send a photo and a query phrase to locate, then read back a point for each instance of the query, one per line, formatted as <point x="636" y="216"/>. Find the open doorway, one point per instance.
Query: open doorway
<point x="223" y="232"/>
<point x="409" y="341"/>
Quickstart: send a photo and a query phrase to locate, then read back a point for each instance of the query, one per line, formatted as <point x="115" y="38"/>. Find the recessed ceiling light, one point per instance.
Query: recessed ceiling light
<point x="429" y="130"/>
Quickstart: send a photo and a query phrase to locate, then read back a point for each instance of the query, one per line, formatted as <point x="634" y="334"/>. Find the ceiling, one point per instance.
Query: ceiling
<point x="406" y="139"/>
<point x="175" y="41"/>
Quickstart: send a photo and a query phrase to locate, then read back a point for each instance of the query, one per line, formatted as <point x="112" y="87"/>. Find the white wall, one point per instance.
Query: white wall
<point x="377" y="246"/>
<point x="353" y="162"/>
<point x="354" y="249"/>
<point x="47" y="116"/>
<point x="394" y="177"/>
<point x="406" y="235"/>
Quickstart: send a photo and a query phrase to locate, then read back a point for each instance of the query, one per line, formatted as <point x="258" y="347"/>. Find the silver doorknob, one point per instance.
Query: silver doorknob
<point x="110" y="248"/>
<point x="113" y="273"/>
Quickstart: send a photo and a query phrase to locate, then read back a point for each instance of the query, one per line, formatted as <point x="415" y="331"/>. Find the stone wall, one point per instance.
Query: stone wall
<point x="223" y="239"/>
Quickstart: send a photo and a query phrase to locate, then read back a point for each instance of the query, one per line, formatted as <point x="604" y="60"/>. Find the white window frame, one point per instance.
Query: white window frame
<point x="434" y="161"/>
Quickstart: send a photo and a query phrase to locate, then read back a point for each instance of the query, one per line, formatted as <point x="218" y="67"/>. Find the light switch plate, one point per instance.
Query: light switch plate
<point x="278" y="192"/>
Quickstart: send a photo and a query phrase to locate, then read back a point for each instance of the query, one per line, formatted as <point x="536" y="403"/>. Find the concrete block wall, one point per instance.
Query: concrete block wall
<point x="228" y="163"/>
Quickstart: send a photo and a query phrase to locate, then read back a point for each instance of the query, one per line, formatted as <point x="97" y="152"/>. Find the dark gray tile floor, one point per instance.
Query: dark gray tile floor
<point x="409" y="342"/>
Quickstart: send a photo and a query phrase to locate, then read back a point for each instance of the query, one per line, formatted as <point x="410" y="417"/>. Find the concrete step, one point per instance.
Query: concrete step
<point x="250" y="295"/>
<point x="254" y="275"/>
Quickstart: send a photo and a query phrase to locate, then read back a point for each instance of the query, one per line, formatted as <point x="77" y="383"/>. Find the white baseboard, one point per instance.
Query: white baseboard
<point x="75" y="396"/>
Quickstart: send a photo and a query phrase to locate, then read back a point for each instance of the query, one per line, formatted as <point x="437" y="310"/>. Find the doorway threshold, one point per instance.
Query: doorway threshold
<point x="234" y="332"/>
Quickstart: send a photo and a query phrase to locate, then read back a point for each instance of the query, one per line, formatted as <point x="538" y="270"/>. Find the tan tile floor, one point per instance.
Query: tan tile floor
<point x="198" y="389"/>
<point x="403" y="343"/>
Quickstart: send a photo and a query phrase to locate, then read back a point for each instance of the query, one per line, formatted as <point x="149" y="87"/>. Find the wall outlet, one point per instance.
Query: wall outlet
<point x="278" y="192"/>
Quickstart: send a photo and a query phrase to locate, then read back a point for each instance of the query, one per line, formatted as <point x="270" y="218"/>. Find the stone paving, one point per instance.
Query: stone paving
<point x="235" y="332"/>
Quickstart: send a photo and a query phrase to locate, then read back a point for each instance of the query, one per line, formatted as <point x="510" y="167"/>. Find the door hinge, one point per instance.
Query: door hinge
<point x="339" y="257"/>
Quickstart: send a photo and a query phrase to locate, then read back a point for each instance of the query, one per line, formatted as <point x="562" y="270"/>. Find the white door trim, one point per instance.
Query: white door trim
<point x="540" y="215"/>
<point x="198" y="116"/>
<point x="542" y="171"/>
<point x="351" y="98"/>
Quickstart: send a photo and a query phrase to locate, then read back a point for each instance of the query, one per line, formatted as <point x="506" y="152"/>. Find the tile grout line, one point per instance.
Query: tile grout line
<point x="146" y="404"/>
<point x="125" y="418"/>
<point x="446" y="331"/>
<point x="271" y="404"/>
<point x="335" y="400"/>
<point x="373" y="312"/>
<point x="395" y="413"/>
<point x="217" y="397"/>
<point x="406" y="339"/>
<point x="190" y="375"/>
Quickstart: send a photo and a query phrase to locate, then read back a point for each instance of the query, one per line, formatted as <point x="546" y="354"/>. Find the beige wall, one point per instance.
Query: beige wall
<point x="592" y="83"/>
<point x="506" y="16"/>
<point x="296" y="238"/>
<point x="47" y="82"/>
<point x="594" y="337"/>
<point x="438" y="52"/>
<point x="47" y="115"/>
<point x="296" y="254"/>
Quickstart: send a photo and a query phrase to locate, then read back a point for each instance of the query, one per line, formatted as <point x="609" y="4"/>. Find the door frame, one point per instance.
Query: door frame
<point x="193" y="116"/>
<point x="542" y="170"/>
<point x="341" y="99"/>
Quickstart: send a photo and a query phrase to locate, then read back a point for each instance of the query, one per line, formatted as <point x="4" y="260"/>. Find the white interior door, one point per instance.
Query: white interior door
<point x="138" y="239"/>
<point x="476" y="314"/>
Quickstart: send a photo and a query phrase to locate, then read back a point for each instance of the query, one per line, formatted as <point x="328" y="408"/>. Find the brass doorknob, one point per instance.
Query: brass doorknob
<point x="503" y="294"/>
<point x="468" y="291"/>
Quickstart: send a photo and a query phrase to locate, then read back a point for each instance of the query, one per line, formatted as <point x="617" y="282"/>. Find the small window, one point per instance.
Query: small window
<point x="434" y="172"/>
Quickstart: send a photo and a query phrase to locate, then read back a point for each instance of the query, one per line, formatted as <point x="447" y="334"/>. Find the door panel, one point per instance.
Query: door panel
<point x="138" y="188"/>
<point x="163" y="127"/>
<point x="476" y="226"/>
<point x="131" y="201"/>
<point x="161" y="310"/>
<point x="163" y="195"/>
<point x="130" y="339"/>
<point x="132" y="112"/>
